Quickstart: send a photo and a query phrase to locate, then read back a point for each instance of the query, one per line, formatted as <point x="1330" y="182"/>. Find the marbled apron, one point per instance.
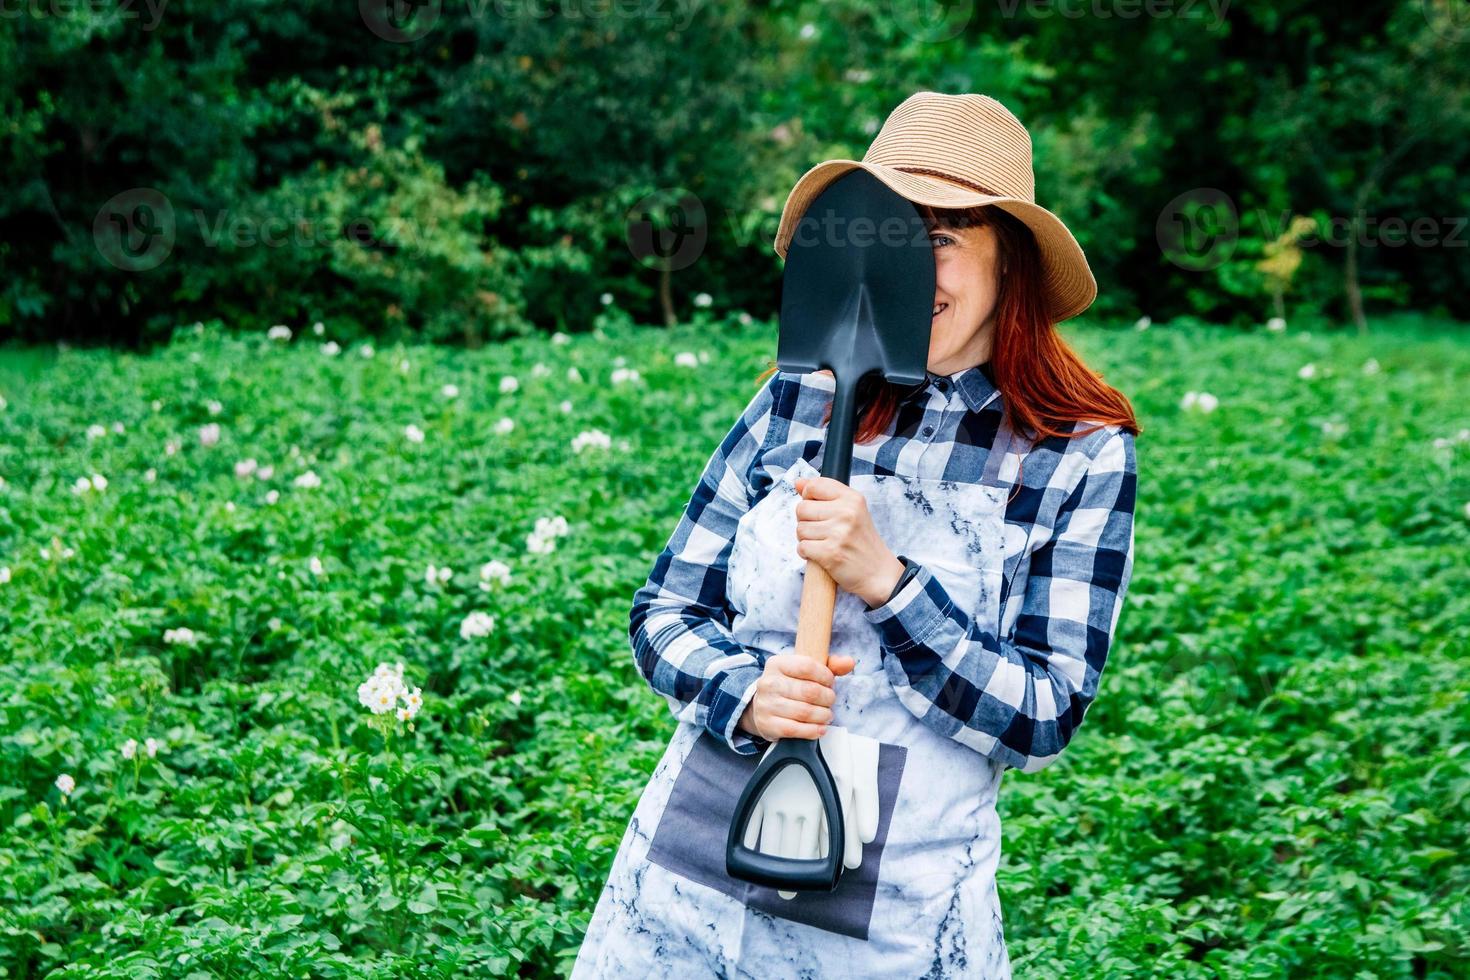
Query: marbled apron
<point x="924" y="901"/>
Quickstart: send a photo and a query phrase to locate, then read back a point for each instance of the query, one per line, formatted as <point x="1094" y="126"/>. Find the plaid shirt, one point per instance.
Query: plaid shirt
<point x="1016" y="697"/>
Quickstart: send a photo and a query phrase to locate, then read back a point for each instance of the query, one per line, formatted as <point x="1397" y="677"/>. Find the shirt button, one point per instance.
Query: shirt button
<point x="942" y="385"/>
<point x="928" y="430"/>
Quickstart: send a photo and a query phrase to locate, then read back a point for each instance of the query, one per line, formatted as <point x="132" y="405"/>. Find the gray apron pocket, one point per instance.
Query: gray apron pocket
<point x="690" y="839"/>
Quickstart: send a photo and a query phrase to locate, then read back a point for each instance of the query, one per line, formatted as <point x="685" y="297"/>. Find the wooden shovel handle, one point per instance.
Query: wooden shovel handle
<point x="814" y="620"/>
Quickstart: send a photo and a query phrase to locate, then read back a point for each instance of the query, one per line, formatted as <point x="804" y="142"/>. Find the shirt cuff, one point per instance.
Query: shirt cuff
<point x="730" y="701"/>
<point x="909" y="618"/>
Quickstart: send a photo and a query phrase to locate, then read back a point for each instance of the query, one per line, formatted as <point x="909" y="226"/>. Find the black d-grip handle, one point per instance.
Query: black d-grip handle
<point x="783" y="873"/>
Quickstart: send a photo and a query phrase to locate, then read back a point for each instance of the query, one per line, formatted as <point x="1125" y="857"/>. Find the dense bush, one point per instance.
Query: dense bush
<point x="1272" y="782"/>
<point x="475" y="174"/>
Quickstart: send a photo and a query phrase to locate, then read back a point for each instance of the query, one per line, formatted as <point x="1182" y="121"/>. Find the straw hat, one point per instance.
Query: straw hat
<point x="959" y="151"/>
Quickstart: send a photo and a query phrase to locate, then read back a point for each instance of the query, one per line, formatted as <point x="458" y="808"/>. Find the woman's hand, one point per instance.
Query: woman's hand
<point x="835" y="530"/>
<point x="793" y="697"/>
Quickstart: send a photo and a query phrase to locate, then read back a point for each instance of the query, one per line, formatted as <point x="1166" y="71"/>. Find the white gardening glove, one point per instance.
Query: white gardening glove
<point x="789" y="820"/>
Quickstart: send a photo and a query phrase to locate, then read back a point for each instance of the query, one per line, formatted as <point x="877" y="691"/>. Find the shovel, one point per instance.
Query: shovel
<point x="857" y="294"/>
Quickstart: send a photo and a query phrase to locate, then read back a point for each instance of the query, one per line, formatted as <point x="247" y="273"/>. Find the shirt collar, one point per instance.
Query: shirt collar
<point x="976" y="384"/>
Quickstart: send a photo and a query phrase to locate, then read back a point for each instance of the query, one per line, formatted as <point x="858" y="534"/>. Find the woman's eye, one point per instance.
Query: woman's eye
<point x="936" y="240"/>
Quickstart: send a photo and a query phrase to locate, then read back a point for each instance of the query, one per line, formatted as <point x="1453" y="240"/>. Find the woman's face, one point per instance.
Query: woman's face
<point x="966" y="285"/>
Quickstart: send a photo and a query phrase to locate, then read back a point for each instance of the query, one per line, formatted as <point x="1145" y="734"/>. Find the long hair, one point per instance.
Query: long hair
<point x="1044" y="383"/>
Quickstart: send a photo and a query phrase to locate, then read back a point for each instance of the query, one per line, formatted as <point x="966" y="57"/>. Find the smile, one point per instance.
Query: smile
<point x="938" y="309"/>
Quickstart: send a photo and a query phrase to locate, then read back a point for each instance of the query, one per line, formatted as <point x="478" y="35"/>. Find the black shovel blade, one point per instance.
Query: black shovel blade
<point x="784" y="873"/>
<point x="857" y="296"/>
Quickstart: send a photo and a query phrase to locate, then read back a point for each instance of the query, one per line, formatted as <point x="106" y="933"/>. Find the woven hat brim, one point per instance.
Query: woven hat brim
<point x="1067" y="280"/>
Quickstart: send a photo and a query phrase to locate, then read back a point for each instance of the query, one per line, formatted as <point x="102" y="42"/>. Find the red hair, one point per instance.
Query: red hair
<point x="1044" y="383"/>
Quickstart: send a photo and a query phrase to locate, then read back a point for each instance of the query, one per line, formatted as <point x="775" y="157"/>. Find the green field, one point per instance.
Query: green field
<point x="1273" y="780"/>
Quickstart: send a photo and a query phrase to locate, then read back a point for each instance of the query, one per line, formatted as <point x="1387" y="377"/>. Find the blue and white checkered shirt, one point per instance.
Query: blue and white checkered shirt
<point x="1017" y="697"/>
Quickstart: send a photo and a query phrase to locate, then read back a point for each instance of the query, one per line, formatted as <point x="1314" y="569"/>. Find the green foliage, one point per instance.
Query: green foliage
<point x="1272" y="782"/>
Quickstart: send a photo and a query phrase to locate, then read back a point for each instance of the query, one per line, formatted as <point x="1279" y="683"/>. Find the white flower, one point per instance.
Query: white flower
<point x="183" y="635"/>
<point x="209" y="434"/>
<point x="380" y="692"/>
<point x="687" y="359"/>
<point x="403" y="365"/>
<point x="318" y="328"/>
<point x="514" y="697"/>
<point x="413" y="433"/>
<point x="622" y="374"/>
<point x="808" y="31"/>
<point x="279" y="332"/>
<point x="592" y="437"/>
<point x="171" y="447"/>
<point x="413" y="701"/>
<point x="308" y="479"/>
<point x="1308" y="370"/>
<point x="316" y="566"/>
<point x="99" y="482"/>
<point x="560" y="338"/>
<point x="494" y="571"/>
<point x="505" y="425"/>
<point x="215" y="408"/>
<point x="230" y="506"/>
<point x="66" y="784"/>
<point x="703" y="299"/>
<point x="566" y="407"/>
<point x="151" y="745"/>
<point x="1200" y="400"/>
<point x="331" y="348"/>
<point x="542" y="539"/>
<point x="1142" y="323"/>
<point x="574" y="375"/>
<point x="607" y="299"/>
<point x="450" y="391"/>
<point x="1334" y="430"/>
<point x="265" y="472"/>
<point x="82" y="485"/>
<point x="434" y="575"/>
<point x="150" y="475"/>
<point x="1276" y="324"/>
<point x="619" y="361"/>
<point x="117" y="427"/>
<point x="274" y="623"/>
<point x="157" y="405"/>
<point x="476" y="624"/>
<point x="245" y="468"/>
<point x="95" y="431"/>
<point x="540" y="370"/>
<point x="272" y="496"/>
<point x="1370" y="366"/>
<point x="4" y="574"/>
<point x="508" y="384"/>
<point x="366" y="350"/>
<point x="130" y="748"/>
<point x="746" y="319"/>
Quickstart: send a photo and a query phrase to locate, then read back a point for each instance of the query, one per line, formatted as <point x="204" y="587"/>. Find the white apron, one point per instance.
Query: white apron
<point x="924" y="901"/>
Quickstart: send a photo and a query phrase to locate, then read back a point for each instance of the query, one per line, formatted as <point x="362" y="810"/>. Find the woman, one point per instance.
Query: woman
<point x="982" y="549"/>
